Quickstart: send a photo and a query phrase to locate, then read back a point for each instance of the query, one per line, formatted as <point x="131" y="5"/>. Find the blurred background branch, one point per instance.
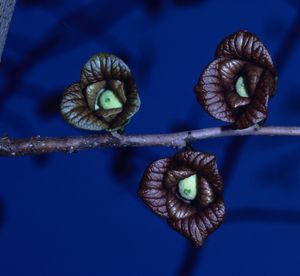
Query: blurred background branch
<point x="6" y="12"/>
<point x="40" y="145"/>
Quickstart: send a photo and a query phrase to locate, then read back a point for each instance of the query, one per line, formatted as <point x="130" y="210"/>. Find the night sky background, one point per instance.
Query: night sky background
<point x="78" y="214"/>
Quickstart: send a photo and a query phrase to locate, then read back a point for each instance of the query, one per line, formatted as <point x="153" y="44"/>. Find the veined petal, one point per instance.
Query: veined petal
<point x="151" y="188"/>
<point x="199" y="226"/>
<point x="244" y="45"/>
<point x="76" y="112"/>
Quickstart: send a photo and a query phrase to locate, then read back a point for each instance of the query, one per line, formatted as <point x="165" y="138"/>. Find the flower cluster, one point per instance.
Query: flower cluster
<point x="185" y="189"/>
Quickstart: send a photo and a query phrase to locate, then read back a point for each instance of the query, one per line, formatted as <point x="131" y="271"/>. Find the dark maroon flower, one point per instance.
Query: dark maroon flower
<point x="237" y="85"/>
<point x="186" y="190"/>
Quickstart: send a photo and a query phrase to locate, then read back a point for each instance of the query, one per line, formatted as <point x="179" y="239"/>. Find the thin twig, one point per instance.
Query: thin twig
<point x="40" y="145"/>
<point x="6" y="12"/>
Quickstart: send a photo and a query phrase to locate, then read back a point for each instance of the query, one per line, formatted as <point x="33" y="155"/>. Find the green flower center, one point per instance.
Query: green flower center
<point x="107" y="99"/>
<point x="187" y="187"/>
<point x="240" y="87"/>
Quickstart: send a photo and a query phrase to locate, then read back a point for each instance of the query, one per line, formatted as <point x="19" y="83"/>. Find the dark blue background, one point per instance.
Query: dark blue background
<point x="78" y="214"/>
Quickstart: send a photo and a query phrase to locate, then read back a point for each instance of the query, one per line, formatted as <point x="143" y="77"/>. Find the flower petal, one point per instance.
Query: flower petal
<point x="253" y="74"/>
<point x="76" y="112"/>
<point x="257" y="111"/>
<point x="245" y="46"/>
<point x="177" y="208"/>
<point x="205" y="192"/>
<point x="104" y="67"/>
<point x="234" y="100"/>
<point x="199" y="226"/>
<point x="118" y="87"/>
<point x="92" y="91"/>
<point x="108" y="114"/>
<point x="173" y="176"/>
<point x="131" y="106"/>
<point x="151" y="188"/>
<point x="204" y="164"/>
<point x="211" y="89"/>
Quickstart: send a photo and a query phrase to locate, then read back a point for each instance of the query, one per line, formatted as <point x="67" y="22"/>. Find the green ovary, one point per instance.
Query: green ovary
<point x="240" y="87"/>
<point x="188" y="187"/>
<point x="108" y="100"/>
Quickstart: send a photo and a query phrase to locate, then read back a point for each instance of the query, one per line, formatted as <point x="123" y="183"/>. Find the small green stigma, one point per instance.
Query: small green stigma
<point x="107" y="100"/>
<point x="240" y="87"/>
<point x="188" y="187"/>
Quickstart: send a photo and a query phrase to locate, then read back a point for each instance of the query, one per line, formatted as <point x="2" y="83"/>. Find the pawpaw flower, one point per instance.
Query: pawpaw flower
<point x="237" y="85"/>
<point x="105" y="98"/>
<point x="186" y="190"/>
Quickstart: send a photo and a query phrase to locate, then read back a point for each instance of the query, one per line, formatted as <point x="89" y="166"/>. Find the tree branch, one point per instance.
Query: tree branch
<point x="40" y="145"/>
<point x="6" y="12"/>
